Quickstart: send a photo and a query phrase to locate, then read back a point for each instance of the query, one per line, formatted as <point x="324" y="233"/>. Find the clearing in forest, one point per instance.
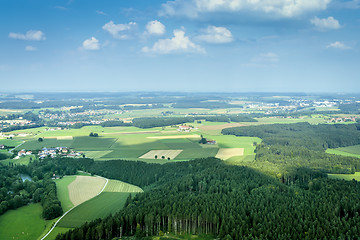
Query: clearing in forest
<point x="226" y="153"/>
<point x="85" y="188"/>
<point x="159" y="153"/>
<point x="176" y="136"/>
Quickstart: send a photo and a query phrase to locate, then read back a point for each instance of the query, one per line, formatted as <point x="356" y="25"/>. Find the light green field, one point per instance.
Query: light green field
<point x="348" y="177"/>
<point x="21" y="161"/>
<point x="24" y="223"/>
<point x="96" y="154"/>
<point x="10" y="142"/>
<point x="339" y="152"/>
<point x="351" y="149"/>
<point x="118" y="186"/>
<point x="63" y="192"/>
<point x="101" y="206"/>
<point x="35" y="144"/>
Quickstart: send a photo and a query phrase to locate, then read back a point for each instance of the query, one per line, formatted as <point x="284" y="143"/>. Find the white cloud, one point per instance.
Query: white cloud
<point x="119" y="31"/>
<point x="177" y="44"/>
<point x="101" y="12"/>
<point x="30" y="48"/>
<point x="338" y="45"/>
<point x="325" y="23"/>
<point x="268" y="57"/>
<point x="91" y="44"/>
<point x="214" y="34"/>
<point x="155" y="28"/>
<point x="282" y="8"/>
<point x="33" y="35"/>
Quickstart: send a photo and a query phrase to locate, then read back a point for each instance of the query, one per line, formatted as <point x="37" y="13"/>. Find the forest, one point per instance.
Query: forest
<point x="286" y="147"/>
<point x="207" y="196"/>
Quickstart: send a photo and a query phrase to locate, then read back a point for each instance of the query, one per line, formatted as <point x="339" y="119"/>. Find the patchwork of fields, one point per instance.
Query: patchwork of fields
<point x="131" y="143"/>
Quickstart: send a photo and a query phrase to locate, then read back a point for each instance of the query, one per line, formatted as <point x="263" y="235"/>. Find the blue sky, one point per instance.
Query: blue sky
<point x="180" y="45"/>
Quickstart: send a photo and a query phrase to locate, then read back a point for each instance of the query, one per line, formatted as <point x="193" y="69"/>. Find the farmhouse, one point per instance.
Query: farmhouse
<point x="22" y="153"/>
<point x="210" y="142"/>
<point x="184" y="128"/>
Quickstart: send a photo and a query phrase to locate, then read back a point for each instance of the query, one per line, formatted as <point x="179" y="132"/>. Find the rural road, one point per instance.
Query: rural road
<point x="10" y="151"/>
<point x="107" y="180"/>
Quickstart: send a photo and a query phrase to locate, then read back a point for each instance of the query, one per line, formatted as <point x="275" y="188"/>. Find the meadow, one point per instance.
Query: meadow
<point x="28" y="217"/>
<point x="63" y="191"/>
<point x="347" y="177"/>
<point x="101" y="206"/>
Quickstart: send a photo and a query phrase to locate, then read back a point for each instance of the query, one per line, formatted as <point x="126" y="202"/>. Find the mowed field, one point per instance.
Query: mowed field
<point x="111" y="200"/>
<point x="99" y="207"/>
<point x="25" y="223"/>
<point x="226" y="153"/>
<point x="171" y="154"/>
<point x="84" y="188"/>
<point x="63" y="191"/>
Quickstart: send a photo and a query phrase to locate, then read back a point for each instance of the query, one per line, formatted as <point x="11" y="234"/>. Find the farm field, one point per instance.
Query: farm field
<point x="84" y="188"/>
<point x="119" y="186"/>
<point x="226" y="153"/>
<point x="348" y="177"/>
<point x="351" y="149"/>
<point x="172" y="154"/>
<point x="131" y="143"/>
<point x="63" y="191"/>
<point x="98" y="207"/>
<point x="24" y="223"/>
<point x="340" y="152"/>
<point x="109" y="201"/>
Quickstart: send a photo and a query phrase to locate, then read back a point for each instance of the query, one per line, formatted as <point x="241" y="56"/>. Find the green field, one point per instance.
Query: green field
<point x="348" y="177"/>
<point x="24" y="223"/>
<point x="100" y="206"/>
<point x="63" y="192"/>
<point x="130" y="142"/>
<point x="21" y="161"/>
<point x="10" y="142"/>
<point x="338" y="152"/>
<point x="351" y="149"/>
<point x="118" y="186"/>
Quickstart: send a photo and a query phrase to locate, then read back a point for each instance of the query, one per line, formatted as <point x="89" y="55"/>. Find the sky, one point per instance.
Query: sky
<point x="180" y="45"/>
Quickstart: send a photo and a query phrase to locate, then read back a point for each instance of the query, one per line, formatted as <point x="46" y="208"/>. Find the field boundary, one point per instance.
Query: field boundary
<point x="107" y="180"/>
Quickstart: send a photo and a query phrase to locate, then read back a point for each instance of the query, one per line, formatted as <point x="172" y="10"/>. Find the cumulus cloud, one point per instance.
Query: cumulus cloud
<point x="91" y="44"/>
<point x="282" y="8"/>
<point x="155" y="28"/>
<point x="325" y="23"/>
<point x="30" y="48"/>
<point x="119" y="31"/>
<point x="214" y="34"/>
<point x="32" y="35"/>
<point x="177" y="44"/>
<point x="338" y="45"/>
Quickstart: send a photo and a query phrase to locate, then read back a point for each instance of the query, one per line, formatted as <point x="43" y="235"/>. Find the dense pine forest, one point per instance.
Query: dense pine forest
<point x="207" y="196"/>
<point x="286" y="147"/>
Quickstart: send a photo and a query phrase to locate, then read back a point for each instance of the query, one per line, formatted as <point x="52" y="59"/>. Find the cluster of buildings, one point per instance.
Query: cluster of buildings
<point x="58" y="151"/>
<point x="184" y="128"/>
<point x="22" y="153"/>
<point x="342" y="119"/>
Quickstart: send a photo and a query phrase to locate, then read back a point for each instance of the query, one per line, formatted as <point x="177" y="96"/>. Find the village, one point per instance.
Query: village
<point x="50" y="152"/>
